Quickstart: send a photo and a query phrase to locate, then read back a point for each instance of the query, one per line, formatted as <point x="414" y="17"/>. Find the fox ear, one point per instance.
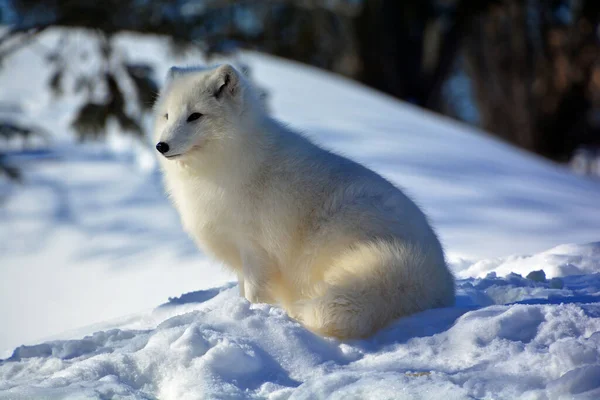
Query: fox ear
<point x="226" y="82"/>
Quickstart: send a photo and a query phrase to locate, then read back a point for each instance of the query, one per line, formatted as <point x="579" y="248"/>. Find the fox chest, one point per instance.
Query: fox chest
<point x="209" y="211"/>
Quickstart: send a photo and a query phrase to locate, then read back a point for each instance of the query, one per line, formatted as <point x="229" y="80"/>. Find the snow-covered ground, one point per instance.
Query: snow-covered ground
<point x="90" y="247"/>
<point x="506" y="338"/>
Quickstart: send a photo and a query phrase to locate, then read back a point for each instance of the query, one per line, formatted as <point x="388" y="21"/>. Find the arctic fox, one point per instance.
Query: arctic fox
<point x="338" y="246"/>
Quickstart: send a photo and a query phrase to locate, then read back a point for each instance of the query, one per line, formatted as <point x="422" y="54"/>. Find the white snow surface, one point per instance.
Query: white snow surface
<point x="90" y="246"/>
<point x="506" y="338"/>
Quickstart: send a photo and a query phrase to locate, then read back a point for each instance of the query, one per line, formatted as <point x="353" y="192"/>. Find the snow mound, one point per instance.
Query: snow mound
<point x="563" y="260"/>
<point x="505" y="338"/>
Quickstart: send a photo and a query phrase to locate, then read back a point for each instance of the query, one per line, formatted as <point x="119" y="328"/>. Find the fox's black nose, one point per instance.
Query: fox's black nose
<point x="162" y="147"/>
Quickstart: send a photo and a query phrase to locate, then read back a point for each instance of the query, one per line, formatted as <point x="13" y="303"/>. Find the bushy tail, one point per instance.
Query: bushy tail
<point x="373" y="284"/>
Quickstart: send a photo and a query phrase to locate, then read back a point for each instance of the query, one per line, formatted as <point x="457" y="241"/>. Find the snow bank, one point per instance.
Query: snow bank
<point x="506" y="338"/>
<point x="566" y="259"/>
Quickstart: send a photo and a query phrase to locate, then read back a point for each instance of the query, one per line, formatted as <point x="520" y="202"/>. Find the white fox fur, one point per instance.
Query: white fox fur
<point x="338" y="246"/>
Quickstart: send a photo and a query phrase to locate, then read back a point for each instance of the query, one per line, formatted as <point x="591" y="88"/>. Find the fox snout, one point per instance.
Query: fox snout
<point x="176" y="141"/>
<point x="162" y="147"/>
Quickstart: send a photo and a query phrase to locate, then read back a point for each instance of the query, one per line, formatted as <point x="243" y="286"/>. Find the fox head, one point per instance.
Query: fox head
<point x="200" y="108"/>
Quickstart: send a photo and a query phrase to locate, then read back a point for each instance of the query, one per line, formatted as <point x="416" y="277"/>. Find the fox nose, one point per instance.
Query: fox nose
<point x="162" y="147"/>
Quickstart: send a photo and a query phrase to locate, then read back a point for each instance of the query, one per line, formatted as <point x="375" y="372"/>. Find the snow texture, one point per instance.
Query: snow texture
<point x="90" y="246"/>
<point x="506" y="338"/>
<point x="566" y="259"/>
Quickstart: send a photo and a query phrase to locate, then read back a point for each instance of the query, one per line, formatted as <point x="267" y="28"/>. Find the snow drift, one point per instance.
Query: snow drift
<point x="506" y="338"/>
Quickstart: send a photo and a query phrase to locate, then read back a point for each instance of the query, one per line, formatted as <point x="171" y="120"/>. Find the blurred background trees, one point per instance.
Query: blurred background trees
<point x="527" y="71"/>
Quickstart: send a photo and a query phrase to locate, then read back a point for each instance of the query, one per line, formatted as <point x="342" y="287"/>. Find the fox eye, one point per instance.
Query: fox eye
<point x="167" y="116"/>
<point x="193" y="117"/>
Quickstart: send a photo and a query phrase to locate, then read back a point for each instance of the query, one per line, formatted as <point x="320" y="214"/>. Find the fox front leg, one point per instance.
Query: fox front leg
<point x="257" y="272"/>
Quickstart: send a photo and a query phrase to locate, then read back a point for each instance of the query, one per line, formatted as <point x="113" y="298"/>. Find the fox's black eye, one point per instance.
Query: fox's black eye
<point x="193" y="117"/>
<point x="166" y="116"/>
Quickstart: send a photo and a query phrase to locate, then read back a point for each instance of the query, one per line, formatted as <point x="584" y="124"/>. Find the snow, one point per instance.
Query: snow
<point x="505" y="338"/>
<point x="562" y="260"/>
<point x="90" y="247"/>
